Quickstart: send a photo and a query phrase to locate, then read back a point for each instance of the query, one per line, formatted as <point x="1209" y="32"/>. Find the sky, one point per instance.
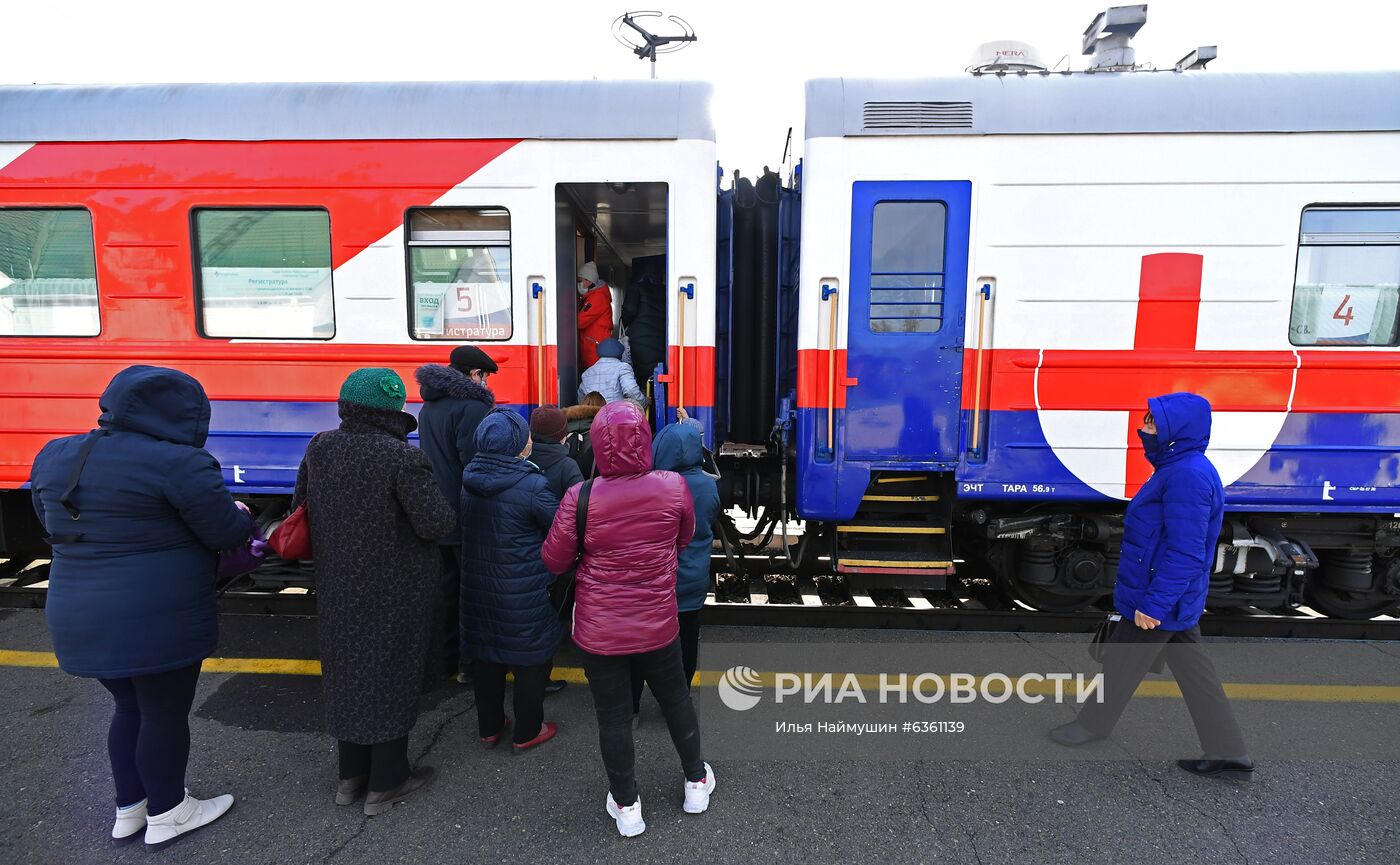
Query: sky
<point x="757" y="53"/>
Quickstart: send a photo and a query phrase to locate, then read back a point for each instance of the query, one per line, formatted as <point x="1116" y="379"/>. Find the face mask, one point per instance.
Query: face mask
<point x="1149" y="441"/>
<point x="582" y="290"/>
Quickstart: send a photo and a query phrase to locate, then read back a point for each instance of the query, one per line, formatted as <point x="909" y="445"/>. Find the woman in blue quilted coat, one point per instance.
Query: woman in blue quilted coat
<point x="137" y="512"/>
<point x="507" y="618"/>
<point x="1170" y="532"/>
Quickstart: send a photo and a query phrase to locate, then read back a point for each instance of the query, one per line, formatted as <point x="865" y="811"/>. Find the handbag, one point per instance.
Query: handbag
<point x="245" y="558"/>
<point x="566" y="582"/>
<point x="1101" y="635"/>
<point x="291" y="540"/>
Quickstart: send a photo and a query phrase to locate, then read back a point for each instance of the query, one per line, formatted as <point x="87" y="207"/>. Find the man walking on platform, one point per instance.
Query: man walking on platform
<point x="1170" y="531"/>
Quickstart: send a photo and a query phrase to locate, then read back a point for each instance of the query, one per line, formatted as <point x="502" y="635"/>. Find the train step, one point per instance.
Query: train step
<point x="899" y="534"/>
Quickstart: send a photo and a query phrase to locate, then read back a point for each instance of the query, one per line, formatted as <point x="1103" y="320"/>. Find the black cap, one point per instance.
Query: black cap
<point x="466" y="358"/>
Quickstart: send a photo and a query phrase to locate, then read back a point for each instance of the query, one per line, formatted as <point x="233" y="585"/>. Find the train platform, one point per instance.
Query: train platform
<point x="1319" y="715"/>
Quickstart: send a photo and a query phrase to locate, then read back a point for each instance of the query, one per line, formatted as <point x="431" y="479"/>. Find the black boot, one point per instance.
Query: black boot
<point x="1235" y="770"/>
<point x="554" y="686"/>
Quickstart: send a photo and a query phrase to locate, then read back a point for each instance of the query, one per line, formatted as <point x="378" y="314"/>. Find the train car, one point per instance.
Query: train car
<point x="270" y="238"/>
<point x="998" y="270"/>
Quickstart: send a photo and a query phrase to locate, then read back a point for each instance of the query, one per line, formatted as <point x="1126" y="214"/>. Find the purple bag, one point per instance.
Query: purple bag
<point x="243" y="559"/>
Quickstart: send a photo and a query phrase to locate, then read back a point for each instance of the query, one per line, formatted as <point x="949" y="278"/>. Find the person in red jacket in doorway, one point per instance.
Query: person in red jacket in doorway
<point x="595" y="314"/>
<point x="637" y="523"/>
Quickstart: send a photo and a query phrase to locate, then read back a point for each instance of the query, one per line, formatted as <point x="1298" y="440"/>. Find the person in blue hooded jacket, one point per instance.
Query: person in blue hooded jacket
<point x="678" y="448"/>
<point x="1170" y="532"/>
<point x="507" y="618"/>
<point x="137" y="512"/>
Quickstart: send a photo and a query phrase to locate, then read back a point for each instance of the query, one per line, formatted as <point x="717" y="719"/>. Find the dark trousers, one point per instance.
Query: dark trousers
<point x="386" y="763"/>
<point x="690" y="655"/>
<point x="1128" y="654"/>
<point x="149" y="738"/>
<point x="448" y="646"/>
<point x="610" y="680"/>
<point x="490" y="682"/>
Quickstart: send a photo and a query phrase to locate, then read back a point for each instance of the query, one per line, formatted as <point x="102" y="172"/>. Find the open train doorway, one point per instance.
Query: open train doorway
<point x="622" y="228"/>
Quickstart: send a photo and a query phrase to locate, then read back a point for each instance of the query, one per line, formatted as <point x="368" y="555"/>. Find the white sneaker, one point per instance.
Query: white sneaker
<point x="189" y="815"/>
<point x="629" y="819"/>
<point x="697" y="793"/>
<point x="130" y="820"/>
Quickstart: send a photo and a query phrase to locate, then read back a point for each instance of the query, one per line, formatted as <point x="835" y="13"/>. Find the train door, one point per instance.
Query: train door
<point x="623" y="228"/>
<point x="909" y="243"/>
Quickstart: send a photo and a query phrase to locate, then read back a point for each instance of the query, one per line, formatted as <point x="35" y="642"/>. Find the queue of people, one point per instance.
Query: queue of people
<point x="429" y="560"/>
<point x="415" y="574"/>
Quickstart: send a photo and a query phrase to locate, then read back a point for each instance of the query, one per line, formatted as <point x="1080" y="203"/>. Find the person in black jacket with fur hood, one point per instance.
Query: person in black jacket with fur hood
<point x="455" y="399"/>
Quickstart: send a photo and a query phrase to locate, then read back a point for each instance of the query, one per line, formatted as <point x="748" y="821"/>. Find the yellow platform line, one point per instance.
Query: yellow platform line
<point x="870" y="682"/>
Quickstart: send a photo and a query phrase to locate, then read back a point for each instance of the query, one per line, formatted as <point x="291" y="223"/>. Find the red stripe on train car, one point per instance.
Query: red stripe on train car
<point x="140" y="195"/>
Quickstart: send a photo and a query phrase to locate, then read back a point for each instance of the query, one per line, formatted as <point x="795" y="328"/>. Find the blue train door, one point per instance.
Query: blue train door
<point x="905" y="333"/>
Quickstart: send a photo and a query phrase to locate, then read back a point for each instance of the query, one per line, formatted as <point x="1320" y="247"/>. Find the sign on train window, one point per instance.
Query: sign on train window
<point x="1348" y="280"/>
<point x="48" y="273"/>
<point x="264" y="274"/>
<point x="459" y="273"/>
<point x="906" y="266"/>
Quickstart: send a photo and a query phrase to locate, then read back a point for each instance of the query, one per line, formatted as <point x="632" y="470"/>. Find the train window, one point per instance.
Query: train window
<point x="459" y="273"/>
<point x="48" y="273"/>
<point x="906" y="266"/>
<point x="1347" y="287"/>
<point x="264" y="274"/>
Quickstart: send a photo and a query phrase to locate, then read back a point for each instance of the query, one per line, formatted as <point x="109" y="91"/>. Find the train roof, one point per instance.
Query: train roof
<point x="351" y="111"/>
<point x="1105" y="102"/>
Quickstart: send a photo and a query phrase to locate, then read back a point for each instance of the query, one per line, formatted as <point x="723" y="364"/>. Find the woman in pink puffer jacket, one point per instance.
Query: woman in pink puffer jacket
<point x="638" y="522"/>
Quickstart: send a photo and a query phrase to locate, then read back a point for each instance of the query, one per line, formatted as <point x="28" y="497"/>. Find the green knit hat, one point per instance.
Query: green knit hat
<point x="376" y="387"/>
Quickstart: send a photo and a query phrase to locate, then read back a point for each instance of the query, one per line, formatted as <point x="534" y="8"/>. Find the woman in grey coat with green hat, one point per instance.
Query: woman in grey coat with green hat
<point x="376" y="517"/>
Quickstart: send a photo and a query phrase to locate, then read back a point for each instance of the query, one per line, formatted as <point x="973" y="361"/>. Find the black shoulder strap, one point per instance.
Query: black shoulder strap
<point x="582" y="512"/>
<point x="67" y="498"/>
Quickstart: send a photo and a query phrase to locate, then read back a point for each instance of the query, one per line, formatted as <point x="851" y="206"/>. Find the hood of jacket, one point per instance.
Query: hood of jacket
<point x="162" y="403"/>
<point x="621" y="440"/>
<point x="490" y="474"/>
<point x="677" y="448"/>
<point x="1183" y="426"/>
<point x="438" y="381"/>
<point x="503" y="433"/>
<point x="582" y="412"/>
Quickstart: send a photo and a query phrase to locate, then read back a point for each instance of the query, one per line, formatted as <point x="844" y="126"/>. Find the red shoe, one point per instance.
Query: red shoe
<point x="547" y="731"/>
<point x="493" y="741"/>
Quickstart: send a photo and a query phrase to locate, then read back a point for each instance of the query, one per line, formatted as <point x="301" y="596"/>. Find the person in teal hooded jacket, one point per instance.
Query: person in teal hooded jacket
<point x="678" y="449"/>
<point x="1170" y="531"/>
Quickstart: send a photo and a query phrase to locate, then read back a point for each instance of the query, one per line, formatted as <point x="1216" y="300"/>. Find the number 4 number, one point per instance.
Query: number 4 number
<point x="1348" y="315"/>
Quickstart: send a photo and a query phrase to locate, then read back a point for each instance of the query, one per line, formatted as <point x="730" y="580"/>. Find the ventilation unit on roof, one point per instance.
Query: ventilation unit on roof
<point x="1109" y="34"/>
<point x="1005" y="56"/>
<point x="918" y="115"/>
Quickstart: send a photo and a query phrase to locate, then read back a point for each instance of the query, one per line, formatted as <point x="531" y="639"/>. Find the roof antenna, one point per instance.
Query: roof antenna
<point x="647" y="45"/>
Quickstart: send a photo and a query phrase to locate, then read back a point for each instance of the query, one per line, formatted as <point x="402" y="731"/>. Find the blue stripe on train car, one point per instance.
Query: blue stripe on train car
<point x="1322" y="462"/>
<point x="260" y="443"/>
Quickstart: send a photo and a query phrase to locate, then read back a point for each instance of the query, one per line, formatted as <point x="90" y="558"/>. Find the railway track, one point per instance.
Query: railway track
<point x="785" y="600"/>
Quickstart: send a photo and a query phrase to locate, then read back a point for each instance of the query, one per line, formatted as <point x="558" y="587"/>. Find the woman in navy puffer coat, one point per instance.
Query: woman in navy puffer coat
<point x="506" y="613"/>
<point x="1170" y="532"/>
<point x="678" y="449"/>
<point x="131" y="589"/>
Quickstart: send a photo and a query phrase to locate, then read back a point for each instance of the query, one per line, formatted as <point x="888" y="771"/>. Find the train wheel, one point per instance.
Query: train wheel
<point x="1341" y="604"/>
<point x="1038" y="598"/>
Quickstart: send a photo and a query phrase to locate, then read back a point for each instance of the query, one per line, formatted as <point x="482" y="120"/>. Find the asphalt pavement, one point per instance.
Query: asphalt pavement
<point x="258" y="736"/>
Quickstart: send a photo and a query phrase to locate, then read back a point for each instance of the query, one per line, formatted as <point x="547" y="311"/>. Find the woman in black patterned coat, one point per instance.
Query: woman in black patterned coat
<point x="376" y="517"/>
